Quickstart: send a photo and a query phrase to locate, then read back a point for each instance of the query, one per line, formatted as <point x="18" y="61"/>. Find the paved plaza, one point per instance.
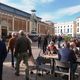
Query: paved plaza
<point x="8" y="71"/>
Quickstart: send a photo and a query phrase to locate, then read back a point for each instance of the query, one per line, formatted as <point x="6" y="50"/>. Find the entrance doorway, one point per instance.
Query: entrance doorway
<point x="4" y="32"/>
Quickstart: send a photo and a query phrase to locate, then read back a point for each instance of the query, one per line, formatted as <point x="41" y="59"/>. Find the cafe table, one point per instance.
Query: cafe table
<point x="52" y="57"/>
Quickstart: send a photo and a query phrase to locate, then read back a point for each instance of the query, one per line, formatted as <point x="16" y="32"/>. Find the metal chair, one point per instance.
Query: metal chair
<point x="43" y="64"/>
<point x="63" y="68"/>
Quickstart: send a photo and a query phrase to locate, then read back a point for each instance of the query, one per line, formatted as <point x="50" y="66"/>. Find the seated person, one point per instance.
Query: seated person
<point x="74" y="48"/>
<point x="52" y="48"/>
<point x="67" y="55"/>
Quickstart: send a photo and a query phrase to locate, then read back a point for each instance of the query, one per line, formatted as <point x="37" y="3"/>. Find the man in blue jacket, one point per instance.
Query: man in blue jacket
<point x="65" y="55"/>
<point x="3" y="54"/>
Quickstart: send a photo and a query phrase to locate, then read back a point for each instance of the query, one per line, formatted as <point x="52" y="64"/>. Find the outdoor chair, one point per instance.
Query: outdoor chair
<point x="43" y="64"/>
<point x="62" y="68"/>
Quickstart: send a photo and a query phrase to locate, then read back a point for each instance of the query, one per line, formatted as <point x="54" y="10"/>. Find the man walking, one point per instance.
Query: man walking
<point x="11" y="46"/>
<point x="22" y="52"/>
<point x="3" y="54"/>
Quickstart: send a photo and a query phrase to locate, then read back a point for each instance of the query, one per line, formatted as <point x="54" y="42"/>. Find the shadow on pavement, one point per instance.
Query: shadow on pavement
<point x="9" y="73"/>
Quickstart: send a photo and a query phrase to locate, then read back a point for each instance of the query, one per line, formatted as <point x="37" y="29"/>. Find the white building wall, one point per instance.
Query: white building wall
<point x="65" y="28"/>
<point x="78" y="26"/>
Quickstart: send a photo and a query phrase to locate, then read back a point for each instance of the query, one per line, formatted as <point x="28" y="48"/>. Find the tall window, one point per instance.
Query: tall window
<point x="77" y="29"/>
<point x="67" y="30"/>
<point x="71" y="30"/>
<point x="28" y="26"/>
<point x="10" y="22"/>
<point x="58" y="30"/>
<point x="16" y="24"/>
<point x="61" y="30"/>
<point x="64" y="30"/>
<point x="77" y="24"/>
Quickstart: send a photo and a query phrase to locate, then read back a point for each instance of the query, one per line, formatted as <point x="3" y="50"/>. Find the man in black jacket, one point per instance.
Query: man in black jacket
<point x="23" y="52"/>
<point x="3" y="54"/>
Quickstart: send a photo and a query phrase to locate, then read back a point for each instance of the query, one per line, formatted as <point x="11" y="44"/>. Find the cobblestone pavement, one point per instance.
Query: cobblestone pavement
<point x="8" y="71"/>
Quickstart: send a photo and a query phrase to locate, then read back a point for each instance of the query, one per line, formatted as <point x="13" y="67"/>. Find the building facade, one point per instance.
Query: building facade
<point x="12" y="19"/>
<point x="65" y="28"/>
<point x="46" y="28"/>
<point x="78" y="27"/>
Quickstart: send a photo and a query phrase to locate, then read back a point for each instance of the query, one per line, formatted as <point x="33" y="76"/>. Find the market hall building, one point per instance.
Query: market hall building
<point x="12" y="19"/>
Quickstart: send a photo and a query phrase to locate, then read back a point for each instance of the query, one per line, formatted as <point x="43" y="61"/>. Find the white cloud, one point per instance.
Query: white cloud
<point x="68" y="11"/>
<point x="47" y="1"/>
<point x="25" y="5"/>
<point x="46" y="17"/>
<point x="4" y="1"/>
<point x="61" y="13"/>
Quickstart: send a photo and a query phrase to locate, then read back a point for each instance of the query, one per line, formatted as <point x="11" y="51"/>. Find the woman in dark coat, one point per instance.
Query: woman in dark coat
<point x="3" y="54"/>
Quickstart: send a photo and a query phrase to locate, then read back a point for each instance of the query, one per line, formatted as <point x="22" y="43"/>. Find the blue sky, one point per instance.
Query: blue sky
<point x="53" y="10"/>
